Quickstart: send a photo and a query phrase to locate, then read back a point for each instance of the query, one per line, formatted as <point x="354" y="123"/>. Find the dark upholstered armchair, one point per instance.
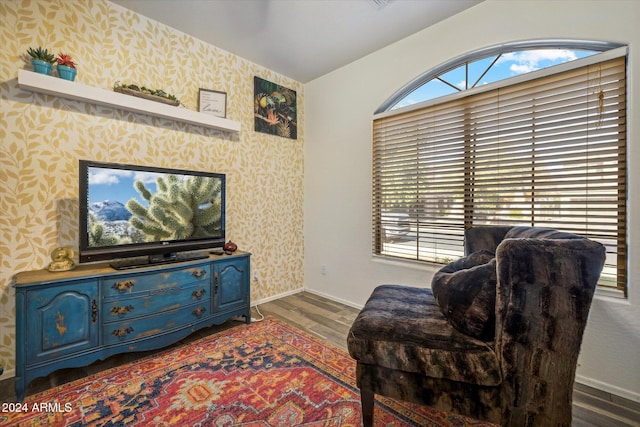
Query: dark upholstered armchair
<point x="497" y="336"/>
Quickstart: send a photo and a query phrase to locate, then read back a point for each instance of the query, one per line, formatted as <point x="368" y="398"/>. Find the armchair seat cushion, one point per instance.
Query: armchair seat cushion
<point x="402" y="328"/>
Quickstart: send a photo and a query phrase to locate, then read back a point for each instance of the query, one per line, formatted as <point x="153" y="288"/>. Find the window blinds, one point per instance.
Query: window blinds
<point x="547" y="152"/>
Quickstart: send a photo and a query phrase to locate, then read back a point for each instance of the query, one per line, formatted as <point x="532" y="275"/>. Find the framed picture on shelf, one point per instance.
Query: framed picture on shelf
<point x="212" y="102"/>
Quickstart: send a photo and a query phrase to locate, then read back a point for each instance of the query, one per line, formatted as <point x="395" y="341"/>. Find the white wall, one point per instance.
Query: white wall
<point x="339" y="109"/>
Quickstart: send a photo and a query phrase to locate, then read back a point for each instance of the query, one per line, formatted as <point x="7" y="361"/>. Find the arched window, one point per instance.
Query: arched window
<point x="545" y="148"/>
<point x="491" y="65"/>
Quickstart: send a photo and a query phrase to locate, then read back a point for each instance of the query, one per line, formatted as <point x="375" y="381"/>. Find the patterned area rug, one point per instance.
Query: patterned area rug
<point x="263" y="374"/>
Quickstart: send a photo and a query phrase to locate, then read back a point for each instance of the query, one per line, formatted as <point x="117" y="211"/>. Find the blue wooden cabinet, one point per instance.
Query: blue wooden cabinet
<point x="71" y="319"/>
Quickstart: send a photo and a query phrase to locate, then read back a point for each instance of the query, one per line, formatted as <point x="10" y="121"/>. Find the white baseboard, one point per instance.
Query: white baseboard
<point x="275" y="297"/>
<point x="8" y="373"/>
<point x="333" y="298"/>
<point x="608" y="388"/>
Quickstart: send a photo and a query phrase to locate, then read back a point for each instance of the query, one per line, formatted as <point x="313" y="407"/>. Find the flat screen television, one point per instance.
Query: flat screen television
<point x="139" y="215"/>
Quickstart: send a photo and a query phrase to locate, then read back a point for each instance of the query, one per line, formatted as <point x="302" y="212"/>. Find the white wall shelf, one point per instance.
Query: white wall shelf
<point x="49" y="85"/>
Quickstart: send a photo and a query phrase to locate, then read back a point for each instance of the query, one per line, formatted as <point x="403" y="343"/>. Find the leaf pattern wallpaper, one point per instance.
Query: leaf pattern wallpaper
<point x="42" y="137"/>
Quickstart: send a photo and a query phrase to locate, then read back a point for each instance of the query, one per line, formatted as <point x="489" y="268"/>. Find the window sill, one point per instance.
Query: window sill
<point x="607" y="292"/>
<point x="406" y="263"/>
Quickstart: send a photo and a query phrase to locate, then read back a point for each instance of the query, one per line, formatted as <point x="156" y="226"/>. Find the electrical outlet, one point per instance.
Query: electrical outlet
<point x="323" y="270"/>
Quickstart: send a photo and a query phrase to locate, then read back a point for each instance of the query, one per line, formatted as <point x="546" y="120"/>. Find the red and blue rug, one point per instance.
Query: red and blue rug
<point x="263" y="374"/>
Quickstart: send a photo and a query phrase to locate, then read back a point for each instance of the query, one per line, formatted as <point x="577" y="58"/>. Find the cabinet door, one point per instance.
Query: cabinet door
<point x="231" y="282"/>
<point x="61" y="320"/>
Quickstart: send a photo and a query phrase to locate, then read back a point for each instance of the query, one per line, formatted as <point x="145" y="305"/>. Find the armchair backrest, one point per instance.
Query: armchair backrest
<point x="485" y="238"/>
<point x="489" y="237"/>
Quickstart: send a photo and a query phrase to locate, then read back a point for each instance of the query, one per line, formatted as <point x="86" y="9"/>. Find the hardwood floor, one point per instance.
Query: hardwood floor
<point x="331" y="321"/>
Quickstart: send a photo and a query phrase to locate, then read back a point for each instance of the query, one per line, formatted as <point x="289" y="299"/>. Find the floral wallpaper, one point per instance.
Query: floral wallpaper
<point x="42" y="137"/>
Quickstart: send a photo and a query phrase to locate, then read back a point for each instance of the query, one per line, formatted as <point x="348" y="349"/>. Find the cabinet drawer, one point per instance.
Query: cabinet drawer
<point x="121" y="308"/>
<point x="133" y="329"/>
<point x="131" y="284"/>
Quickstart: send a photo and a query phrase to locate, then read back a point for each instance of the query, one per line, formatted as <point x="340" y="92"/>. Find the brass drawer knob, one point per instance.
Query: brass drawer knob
<point x="120" y="333"/>
<point x="123" y="286"/>
<point x="199" y="273"/>
<point x="118" y="311"/>
<point x="198" y="294"/>
<point x="198" y="312"/>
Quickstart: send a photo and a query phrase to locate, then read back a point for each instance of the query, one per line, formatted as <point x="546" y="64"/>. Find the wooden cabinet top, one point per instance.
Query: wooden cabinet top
<point x="93" y="270"/>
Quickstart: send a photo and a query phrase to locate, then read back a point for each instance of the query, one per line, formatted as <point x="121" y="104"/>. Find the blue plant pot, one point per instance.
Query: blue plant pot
<point x="67" y="73"/>
<point x="42" y="67"/>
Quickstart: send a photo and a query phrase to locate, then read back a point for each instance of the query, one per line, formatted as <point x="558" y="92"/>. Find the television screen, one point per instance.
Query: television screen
<point x="129" y="210"/>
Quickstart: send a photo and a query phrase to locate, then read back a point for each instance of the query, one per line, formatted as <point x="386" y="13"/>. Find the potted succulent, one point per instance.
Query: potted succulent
<point x="66" y="67"/>
<point x="41" y="60"/>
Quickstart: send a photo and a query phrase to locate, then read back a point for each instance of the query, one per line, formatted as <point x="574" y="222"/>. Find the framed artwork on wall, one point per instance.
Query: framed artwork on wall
<point x="212" y="102"/>
<point x="275" y="110"/>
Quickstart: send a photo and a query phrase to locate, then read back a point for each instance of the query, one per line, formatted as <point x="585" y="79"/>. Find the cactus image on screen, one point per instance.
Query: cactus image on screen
<point x="97" y="234"/>
<point x="182" y="207"/>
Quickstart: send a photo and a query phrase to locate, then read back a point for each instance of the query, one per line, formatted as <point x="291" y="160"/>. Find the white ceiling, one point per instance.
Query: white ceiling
<point x="301" y="39"/>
